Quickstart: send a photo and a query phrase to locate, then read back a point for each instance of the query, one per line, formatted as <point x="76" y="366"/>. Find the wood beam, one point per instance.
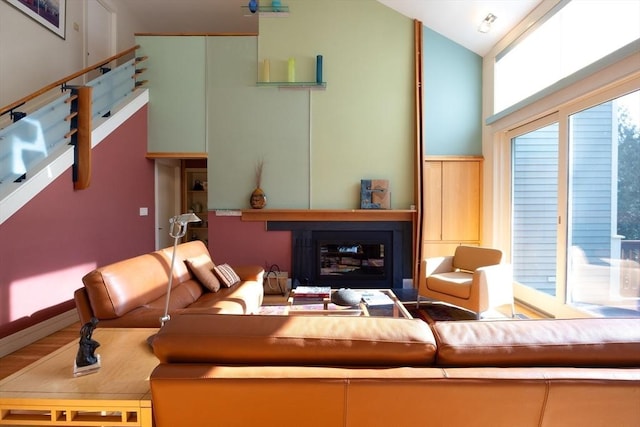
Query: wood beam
<point x="82" y="177"/>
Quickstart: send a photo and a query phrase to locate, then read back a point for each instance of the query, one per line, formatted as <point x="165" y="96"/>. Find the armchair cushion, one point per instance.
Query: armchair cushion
<point x="469" y="258"/>
<point x="456" y="283"/>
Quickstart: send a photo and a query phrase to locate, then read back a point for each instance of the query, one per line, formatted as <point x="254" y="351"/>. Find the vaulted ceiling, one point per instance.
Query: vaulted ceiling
<point x="457" y="20"/>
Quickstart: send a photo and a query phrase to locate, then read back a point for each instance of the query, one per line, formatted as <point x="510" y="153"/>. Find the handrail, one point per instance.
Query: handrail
<point x="57" y="83"/>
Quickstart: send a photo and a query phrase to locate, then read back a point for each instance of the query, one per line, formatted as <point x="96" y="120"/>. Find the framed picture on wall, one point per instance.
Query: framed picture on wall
<point x="49" y="13"/>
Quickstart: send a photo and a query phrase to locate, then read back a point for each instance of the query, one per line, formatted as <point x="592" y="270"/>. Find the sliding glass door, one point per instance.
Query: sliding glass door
<point x="604" y="207"/>
<point x="535" y="208"/>
<point x="575" y="207"/>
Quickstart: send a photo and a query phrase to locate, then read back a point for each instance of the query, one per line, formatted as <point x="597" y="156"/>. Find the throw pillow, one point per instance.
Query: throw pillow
<point x="202" y="267"/>
<point x="228" y="277"/>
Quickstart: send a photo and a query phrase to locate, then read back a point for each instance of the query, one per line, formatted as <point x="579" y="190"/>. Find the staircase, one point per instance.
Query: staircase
<point x="60" y="129"/>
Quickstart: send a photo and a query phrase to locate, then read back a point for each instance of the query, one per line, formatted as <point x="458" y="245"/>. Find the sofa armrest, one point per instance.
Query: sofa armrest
<point x="435" y="265"/>
<point x="252" y="273"/>
<point x="83" y="306"/>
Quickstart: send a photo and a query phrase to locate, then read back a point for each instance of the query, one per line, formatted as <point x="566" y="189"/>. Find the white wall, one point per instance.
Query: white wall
<point x="32" y="56"/>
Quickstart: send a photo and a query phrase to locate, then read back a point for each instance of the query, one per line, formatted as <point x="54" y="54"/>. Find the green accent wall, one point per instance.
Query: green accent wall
<point x="452" y="97"/>
<point x="175" y="74"/>
<point x="362" y="125"/>
<point x="317" y="145"/>
<point x="247" y="123"/>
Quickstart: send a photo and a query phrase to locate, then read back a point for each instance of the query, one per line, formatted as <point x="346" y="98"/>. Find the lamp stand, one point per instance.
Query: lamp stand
<point x="178" y="230"/>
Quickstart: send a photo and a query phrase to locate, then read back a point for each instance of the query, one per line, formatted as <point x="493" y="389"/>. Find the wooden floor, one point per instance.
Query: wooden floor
<point x="19" y="359"/>
<point x="25" y="356"/>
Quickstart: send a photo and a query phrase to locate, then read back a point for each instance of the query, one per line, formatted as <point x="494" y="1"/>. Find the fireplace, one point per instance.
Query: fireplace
<point x="356" y="258"/>
<point x="354" y="254"/>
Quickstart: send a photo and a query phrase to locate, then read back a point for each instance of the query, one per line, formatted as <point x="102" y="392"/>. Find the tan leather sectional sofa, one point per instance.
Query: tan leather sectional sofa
<point x="132" y="293"/>
<point x="238" y="370"/>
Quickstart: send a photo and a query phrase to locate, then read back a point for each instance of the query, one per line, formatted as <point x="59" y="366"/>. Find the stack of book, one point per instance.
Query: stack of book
<point x="373" y="298"/>
<point x="313" y="292"/>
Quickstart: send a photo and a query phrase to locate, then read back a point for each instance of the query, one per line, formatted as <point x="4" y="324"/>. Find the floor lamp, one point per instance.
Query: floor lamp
<point x="178" y="228"/>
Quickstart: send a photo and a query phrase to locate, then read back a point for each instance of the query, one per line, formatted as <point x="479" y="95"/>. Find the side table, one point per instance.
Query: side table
<point x="46" y="392"/>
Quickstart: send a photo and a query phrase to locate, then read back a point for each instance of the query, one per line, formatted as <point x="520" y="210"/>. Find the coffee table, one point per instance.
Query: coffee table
<point x="46" y="392"/>
<point x="382" y="303"/>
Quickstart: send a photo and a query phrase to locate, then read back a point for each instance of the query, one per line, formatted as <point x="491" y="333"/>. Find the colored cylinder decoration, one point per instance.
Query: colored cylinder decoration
<point x="266" y="71"/>
<point x="276" y="5"/>
<point x="291" y="71"/>
<point x="319" y="69"/>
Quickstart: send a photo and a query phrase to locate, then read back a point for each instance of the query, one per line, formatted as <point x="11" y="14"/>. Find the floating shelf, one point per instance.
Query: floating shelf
<point x="294" y="85"/>
<point x="280" y="11"/>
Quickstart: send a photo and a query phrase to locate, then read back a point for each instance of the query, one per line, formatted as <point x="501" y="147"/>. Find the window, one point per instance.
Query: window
<point x="572" y="36"/>
<point x="590" y="261"/>
<point x="535" y="208"/>
<point x="604" y="206"/>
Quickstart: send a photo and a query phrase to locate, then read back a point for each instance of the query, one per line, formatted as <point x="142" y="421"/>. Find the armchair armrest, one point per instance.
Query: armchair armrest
<point x="498" y="278"/>
<point x="495" y="274"/>
<point x="435" y="265"/>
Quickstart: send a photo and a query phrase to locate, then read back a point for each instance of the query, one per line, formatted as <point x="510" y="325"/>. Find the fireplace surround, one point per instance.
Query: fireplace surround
<point x="355" y="254"/>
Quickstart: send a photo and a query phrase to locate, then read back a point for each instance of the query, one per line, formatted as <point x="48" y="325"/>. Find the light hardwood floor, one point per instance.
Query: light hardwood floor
<point x="25" y="356"/>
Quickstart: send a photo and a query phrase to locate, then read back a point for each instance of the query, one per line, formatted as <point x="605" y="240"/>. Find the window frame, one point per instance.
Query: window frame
<point x="535" y="27"/>
<point x="616" y="75"/>
<point x="555" y="306"/>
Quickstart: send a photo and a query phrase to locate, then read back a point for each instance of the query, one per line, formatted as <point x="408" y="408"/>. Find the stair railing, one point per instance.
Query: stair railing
<point x="45" y="122"/>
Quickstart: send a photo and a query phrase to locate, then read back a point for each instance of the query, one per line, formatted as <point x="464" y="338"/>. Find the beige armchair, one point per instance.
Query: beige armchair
<point x="474" y="278"/>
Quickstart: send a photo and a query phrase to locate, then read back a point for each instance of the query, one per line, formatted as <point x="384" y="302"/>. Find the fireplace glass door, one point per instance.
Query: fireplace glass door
<point x="354" y="259"/>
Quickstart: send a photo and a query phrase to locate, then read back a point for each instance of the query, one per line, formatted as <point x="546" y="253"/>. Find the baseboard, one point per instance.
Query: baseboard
<point x="33" y="333"/>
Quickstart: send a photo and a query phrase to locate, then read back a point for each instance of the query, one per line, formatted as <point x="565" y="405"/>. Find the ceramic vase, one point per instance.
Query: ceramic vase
<point x="258" y="199"/>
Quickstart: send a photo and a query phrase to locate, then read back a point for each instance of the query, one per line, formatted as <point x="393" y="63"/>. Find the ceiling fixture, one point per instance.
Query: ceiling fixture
<point x="485" y="25"/>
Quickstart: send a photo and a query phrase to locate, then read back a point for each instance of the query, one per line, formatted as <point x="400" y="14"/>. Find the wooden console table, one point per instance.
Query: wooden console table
<point x="46" y="393"/>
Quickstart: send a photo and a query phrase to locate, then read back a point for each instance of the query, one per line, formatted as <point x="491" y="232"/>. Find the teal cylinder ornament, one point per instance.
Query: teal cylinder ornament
<point x="319" y="69"/>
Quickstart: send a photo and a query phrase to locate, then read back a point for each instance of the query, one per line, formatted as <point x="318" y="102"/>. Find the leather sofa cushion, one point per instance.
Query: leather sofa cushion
<point x="118" y="288"/>
<point x="242" y="298"/>
<point x="295" y="340"/>
<point x="570" y="342"/>
<point x="123" y="286"/>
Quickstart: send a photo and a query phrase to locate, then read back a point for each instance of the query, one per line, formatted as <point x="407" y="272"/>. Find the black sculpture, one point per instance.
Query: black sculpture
<point x="86" y="353"/>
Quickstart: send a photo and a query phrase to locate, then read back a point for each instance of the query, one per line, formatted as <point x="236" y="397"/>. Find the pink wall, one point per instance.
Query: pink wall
<point x="62" y="234"/>
<point x="238" y="242"/>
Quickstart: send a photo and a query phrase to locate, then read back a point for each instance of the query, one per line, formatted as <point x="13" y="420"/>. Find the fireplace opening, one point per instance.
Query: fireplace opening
<point x="355" y="259"/>
<point x="349" y="254"/>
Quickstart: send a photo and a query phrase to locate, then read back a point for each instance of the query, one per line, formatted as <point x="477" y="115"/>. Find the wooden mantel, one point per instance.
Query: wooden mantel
<point x="327" y="215"/>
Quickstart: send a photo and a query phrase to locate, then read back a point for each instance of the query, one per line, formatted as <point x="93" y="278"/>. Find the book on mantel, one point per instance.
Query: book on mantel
<point x="313" y="292"/>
